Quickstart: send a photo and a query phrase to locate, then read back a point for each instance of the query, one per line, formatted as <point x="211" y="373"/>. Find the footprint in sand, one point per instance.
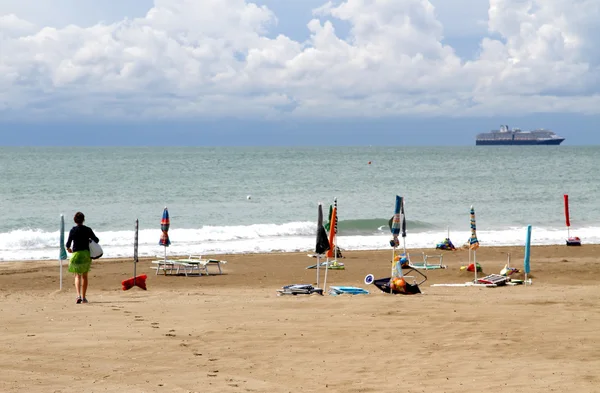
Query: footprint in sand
<point x="154" y="325"/>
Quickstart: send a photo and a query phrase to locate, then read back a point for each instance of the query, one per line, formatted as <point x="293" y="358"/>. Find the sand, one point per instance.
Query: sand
<point x="232" y="333"/>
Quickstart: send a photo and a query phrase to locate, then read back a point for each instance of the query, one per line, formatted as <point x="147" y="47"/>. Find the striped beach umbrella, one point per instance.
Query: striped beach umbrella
<point x="164" y="227"/>
<point x="396" y="224"/>
<point x="395" y="227"/>
<point x="473" y="242"/>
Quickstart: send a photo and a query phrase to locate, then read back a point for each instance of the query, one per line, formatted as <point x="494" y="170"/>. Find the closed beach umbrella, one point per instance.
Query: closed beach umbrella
<point x="395" y="227"/>
<point x="396" y="224"/>
<point x="526" y="260"/>
<point x="164" y="227"/>
<point x="63" y="252"/>
<point x="322" y="242"/>
<point x="473" y="242"/>
<point x="135" y="248"/>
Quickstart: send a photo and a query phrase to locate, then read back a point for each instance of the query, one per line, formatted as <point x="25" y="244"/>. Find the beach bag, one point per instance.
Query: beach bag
<point x="95" y="250"/>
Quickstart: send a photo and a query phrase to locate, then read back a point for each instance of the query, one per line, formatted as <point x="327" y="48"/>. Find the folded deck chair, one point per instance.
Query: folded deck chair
<point x="425" y="263"/>
<point x="495" y="279"/>
<point x="333" y="265"/>
<point x="299" y="289"/>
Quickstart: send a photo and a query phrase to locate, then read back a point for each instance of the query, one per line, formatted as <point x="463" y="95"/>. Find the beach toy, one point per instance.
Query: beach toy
<point x="471" y="268"/>
<point x="140" y="281"/>
<point x="507" y="270"/>
<point x="398" y="284"/>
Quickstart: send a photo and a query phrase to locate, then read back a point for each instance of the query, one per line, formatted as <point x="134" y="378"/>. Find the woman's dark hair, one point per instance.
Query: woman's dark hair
<point x="79" y="218"/>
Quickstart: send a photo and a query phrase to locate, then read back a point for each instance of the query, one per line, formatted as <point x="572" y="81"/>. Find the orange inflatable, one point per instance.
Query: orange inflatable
<point x="140" y="281"/>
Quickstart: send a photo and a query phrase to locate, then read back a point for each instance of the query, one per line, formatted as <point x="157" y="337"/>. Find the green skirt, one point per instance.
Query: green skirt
<point x="80" y="262"/>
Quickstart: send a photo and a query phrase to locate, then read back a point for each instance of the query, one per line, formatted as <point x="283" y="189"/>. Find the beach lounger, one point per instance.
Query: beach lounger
<point x="174" y="267"/>
<point x="202" y="264"/>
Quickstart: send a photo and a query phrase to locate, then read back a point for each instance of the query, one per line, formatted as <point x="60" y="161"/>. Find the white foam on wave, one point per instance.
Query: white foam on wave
<point x="263" y="238"/>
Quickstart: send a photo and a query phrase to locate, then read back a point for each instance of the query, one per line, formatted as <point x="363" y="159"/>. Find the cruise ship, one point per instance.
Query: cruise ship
<point x="506" y="136"/>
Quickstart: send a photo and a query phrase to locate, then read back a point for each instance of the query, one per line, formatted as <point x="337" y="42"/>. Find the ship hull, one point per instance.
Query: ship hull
<point x="533" y="142"/>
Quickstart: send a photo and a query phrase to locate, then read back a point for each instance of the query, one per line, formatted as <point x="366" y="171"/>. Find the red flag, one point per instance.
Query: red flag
<point x="567" y="210"/>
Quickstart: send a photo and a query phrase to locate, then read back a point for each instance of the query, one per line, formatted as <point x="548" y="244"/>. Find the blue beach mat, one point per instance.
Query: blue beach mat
<point x="347" y="290"/>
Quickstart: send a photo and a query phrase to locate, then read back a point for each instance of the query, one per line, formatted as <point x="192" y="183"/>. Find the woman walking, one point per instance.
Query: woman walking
<point x="81" y="261"/>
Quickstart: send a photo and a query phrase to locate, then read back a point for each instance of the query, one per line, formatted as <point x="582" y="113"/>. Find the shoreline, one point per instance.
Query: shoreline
<point x="224" y="256"/>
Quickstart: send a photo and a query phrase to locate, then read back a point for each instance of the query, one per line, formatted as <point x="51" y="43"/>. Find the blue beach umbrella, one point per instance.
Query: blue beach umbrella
<point x="526" y="265"/>
<point x="63" y="252"/>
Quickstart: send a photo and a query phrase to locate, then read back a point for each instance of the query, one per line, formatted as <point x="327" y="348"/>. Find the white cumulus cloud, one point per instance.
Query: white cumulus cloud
<point x="187" y="59"/>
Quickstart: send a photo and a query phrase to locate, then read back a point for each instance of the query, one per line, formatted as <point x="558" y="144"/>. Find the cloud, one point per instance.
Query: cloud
<point x="215" y="58"/>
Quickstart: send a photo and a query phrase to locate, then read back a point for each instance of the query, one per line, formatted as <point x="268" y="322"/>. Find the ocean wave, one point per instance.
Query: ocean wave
<point x="33" y="244"/>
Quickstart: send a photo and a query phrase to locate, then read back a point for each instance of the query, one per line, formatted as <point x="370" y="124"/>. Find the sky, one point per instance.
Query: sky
<point x="295" y="72"/>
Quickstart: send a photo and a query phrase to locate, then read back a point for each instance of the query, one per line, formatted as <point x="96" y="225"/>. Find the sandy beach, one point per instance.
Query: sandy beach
<point x="232" y="333"/>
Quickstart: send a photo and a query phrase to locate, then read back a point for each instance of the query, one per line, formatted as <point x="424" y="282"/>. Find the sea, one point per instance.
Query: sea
<point x="265" y="199"/>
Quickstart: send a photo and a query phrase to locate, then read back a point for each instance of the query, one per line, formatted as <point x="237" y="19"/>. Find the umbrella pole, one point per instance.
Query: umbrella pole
<point x="61" y="269"/>
<point x="393" y="261"/>
<point x="475" y="264"/>
<point x="325" y="279"/>
<point x="318" y="263"/>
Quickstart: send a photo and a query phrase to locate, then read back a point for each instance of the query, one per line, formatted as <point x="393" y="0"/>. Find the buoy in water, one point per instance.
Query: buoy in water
<point x="249" y="197"/>
<point x="369" y="162"/>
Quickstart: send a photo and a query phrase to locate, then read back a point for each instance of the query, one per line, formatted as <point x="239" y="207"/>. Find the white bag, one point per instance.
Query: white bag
<point x="95" y="250"/>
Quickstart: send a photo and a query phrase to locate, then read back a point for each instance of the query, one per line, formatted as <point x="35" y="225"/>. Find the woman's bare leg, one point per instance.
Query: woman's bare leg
<point x="84" y="284"/>
<point x="78" y="284"/>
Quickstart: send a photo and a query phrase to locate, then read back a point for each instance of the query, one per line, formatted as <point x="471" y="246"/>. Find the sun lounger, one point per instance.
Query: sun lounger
<point x="174" y="266"/>
<point x="202" y="264"/>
